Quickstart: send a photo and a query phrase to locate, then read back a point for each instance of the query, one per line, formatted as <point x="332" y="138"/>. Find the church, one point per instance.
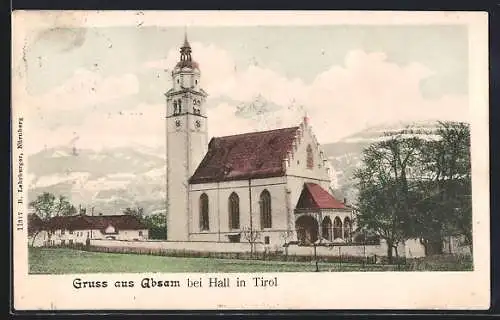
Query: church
<point x="273" y="183"/>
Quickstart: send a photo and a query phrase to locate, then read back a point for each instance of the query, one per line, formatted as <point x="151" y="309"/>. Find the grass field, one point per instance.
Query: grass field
<point x="63" y="261"/>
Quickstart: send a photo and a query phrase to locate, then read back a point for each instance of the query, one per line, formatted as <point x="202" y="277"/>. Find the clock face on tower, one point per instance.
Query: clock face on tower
<point x="178" y="123"/>
<point x="197" y="123"/>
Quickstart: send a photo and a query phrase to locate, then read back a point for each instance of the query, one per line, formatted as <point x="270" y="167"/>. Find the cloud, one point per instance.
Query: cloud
<point x="369" y="90"/>
<point x="85" y="89"/>
<point x="82" y="95"/>
<point x="143" y="125"/>
<point x="217" y="66"/>
<point x="62" y="39"/>
<point x="366" y="90"/>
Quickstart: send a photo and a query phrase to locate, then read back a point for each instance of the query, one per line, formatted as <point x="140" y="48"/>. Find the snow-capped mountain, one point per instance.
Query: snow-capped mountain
<point x="110" y="180"/>
<point x="114" y="179"/>
<point x="346" y="155"/>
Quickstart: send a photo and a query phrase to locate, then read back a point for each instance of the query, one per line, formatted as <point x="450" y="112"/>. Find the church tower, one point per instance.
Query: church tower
<point x="187" y="140"/>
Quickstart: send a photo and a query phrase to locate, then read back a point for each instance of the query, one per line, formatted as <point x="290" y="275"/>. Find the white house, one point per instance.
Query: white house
<point x="61" y="230"/>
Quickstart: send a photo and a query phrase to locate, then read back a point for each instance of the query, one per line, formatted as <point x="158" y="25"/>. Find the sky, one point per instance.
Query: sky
<point x="104" y="86"/>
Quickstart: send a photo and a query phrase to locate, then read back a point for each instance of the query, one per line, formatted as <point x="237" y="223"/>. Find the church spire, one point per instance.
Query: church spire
<point x="186" y="49"/>
<point x="186" y="42"/>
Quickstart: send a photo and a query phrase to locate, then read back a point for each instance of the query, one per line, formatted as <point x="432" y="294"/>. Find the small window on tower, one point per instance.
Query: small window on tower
<point x="177" y="80"/>
<point x="195" y="81"/>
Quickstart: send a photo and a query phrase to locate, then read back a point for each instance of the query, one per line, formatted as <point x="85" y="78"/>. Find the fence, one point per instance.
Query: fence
<point x="243" y="247"/>
<point x="339" y="250"/>
<point x="307" y="254"/>
<point x="201" y="246"/>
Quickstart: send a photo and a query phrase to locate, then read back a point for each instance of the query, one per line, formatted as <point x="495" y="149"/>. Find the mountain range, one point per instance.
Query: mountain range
<point x="111" y="180"/>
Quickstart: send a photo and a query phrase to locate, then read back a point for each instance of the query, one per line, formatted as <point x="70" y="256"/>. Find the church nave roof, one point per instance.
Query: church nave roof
<point x="245" y="156"/>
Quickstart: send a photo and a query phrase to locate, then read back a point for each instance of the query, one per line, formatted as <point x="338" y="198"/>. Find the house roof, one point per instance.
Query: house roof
<point x="84" y="222"/>
<point x="313" y="196"/>
<point x="245" y="156"/>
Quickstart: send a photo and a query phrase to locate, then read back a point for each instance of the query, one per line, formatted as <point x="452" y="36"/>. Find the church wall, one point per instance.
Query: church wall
<point x="297" y="162"/>
<point x="298" y="172"/>
<point x="278" y="213"/>
<point x="213" y="234"/>
<point x="219" y="193"/>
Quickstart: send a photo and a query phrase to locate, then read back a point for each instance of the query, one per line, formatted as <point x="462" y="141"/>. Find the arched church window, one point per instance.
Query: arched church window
<point x="310" y="160"/>
<point x="234" y="211"/>
<point x="265" y="210"/>
<point x="179" y="105"/>
<point x="204" y="218"/>
<point x="337" y="228"/>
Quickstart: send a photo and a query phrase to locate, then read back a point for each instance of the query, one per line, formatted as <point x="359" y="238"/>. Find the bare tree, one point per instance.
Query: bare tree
<point x="285" y="236"/>
<point x="252" y="237"/>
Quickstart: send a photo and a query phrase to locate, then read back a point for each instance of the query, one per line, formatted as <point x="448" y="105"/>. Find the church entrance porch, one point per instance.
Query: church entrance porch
<point x="320" y="215"/>
<point x="307" y="229"/>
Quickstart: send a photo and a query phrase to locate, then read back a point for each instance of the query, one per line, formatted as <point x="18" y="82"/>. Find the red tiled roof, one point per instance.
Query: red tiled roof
<point x="313" y="196"/>
<point x="245" y="156"/>
<point x="84" y="222"/>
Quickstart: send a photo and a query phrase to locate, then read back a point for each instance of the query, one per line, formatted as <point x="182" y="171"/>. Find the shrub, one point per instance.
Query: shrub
<point x="442" y="263"/>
